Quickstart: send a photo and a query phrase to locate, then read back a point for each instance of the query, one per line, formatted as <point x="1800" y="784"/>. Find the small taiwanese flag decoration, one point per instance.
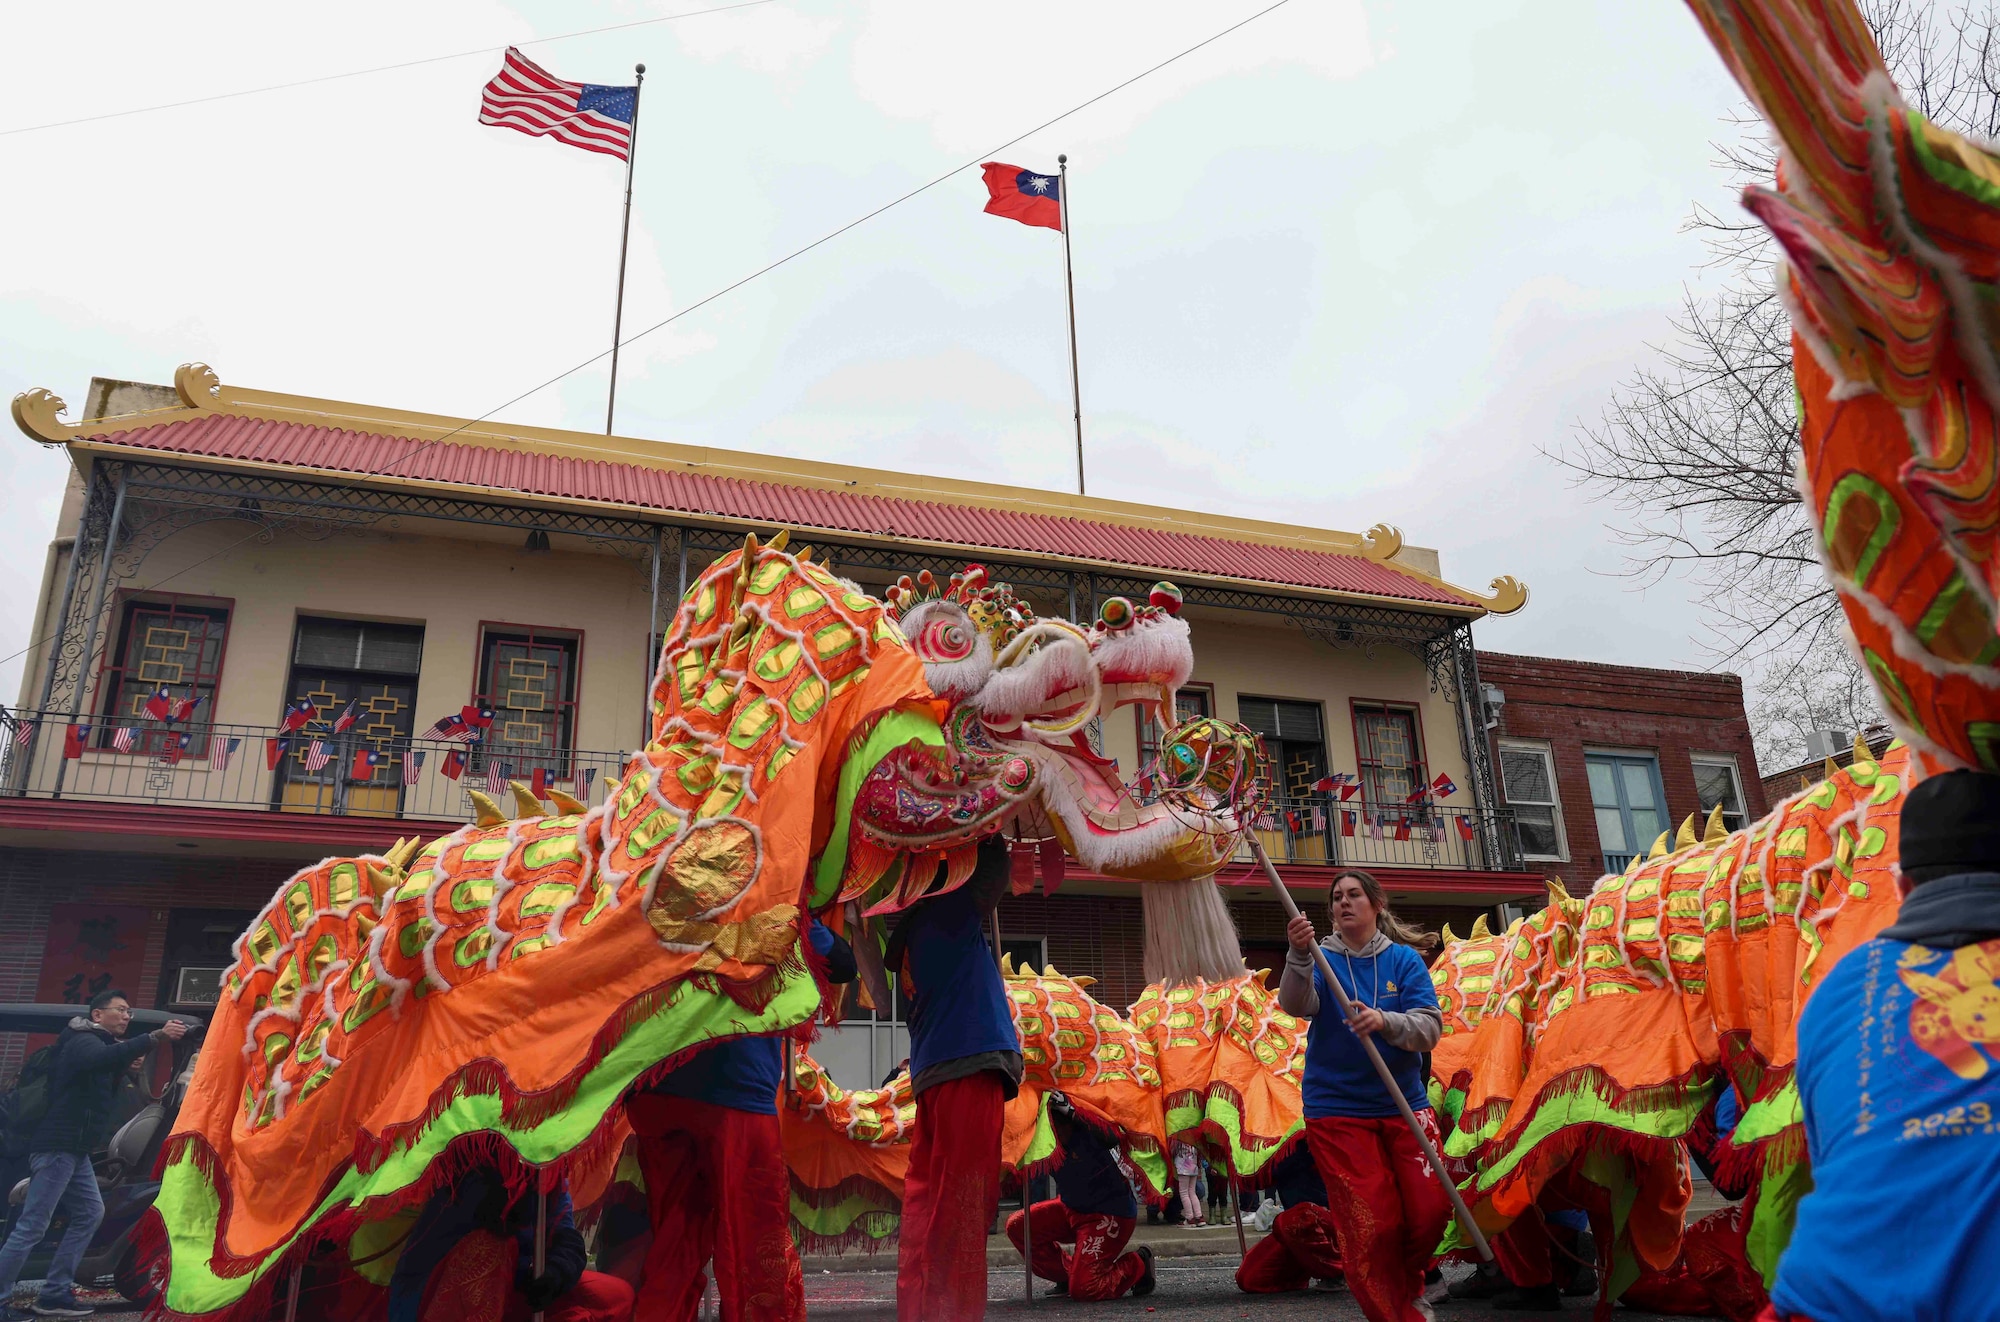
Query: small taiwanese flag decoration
<point x="274" y="752"/>
<point x="1403" y="829"/>
<point x="74" y="739"/>
<point x="160" y="706"/>
<point x="365" y="762"/>
<point x="1443" y="786"/>
<point x="1347" y="817"/>
<point x="541" y="782"/>
<point x="476" y="716"/>
<point x="453" y="765"/>
<point x="1023" y="195"/>
<point x="1464" y="827"/>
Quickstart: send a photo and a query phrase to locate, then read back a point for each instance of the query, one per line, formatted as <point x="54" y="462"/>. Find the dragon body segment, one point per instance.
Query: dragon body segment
<point x="1607" y="1024"/>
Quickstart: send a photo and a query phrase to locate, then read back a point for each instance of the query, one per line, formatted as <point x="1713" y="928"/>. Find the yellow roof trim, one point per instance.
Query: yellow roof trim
<point x="38" y="414"/>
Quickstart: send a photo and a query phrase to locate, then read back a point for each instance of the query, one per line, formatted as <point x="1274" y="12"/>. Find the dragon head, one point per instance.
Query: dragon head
<point x="1022" y="692"/>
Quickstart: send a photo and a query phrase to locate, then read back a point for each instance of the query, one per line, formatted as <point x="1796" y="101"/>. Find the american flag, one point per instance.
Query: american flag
<point x="219" y="750"/>
<point x="346" y="717"/>
<point x="525" y="97"/>
<point x="453" y="726"/>
<point x="122" y="740"/>
<point x="496" y="776"/>
<point x="413" y="765"/>
<point x="318" y="755"/>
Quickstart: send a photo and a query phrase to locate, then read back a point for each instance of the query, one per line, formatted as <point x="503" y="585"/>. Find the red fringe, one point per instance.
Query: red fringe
<point x="486" y="1150"/>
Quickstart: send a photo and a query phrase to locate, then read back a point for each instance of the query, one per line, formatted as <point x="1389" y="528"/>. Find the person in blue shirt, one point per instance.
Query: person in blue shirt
<point x="1093" y="1209"/>
<point x="1899" y="1079"/>
<point x="716" y="1184"/>
<point x="965" y="1065"/>
<point x="1389" y="1209"/>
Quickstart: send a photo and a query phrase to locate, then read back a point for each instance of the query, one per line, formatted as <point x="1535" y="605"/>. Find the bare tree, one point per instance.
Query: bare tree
<point x="1699" y="449"/>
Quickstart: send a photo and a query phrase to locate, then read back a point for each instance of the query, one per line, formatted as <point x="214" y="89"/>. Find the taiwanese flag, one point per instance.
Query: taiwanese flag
<point x="1023" y="195"/>
<point x="74" y="738"/>
<point x="453" y="765"/>
<point x="479" y="718"/>
<point x="160" y="707"/>
<point x="1464" y="827"/>
<point x="541" y="782"/>
<point x="274" y="751"/>
<point x="1444" y="787"/>
<point x="1403" y="829"/>
<point x="342" y="722"/>
<point x="174" y="748"/>
<point x="365" y="762"/>
<point x="184" y="709"/>
<point x="1347" y="822"/>
<point x="297" y="716"/>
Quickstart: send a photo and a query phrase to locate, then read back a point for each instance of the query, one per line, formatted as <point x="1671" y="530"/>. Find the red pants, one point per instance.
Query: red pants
<point x="1389" y="1208"/>
<point x="475" y="1283"/>
<point x="718" y="1191"/>
<point x="1301" y="1246"/>
<point x="1712" y="1277"/>
<point x="949" y="1198"/>
<point x="1099" y="1269"/>
<point x="1771" y="1314"/>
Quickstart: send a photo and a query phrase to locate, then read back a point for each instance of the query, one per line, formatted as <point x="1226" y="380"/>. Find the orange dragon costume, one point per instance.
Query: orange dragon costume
<point x="490" y="998"/>
<point x="1610" y="1020"/>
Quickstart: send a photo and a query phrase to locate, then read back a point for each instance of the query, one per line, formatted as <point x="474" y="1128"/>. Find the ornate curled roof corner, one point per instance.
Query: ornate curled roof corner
<point x="38" y="412"/>
<point x="1382" y="542"/>
<point x="1509" y="594"/>
<point x="198" y="385"/>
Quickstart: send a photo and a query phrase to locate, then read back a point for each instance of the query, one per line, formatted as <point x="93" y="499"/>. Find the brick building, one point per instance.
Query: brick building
<point x="1596" y="760"/>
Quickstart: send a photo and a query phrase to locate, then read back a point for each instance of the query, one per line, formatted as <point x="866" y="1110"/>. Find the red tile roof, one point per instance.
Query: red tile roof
<point x="295" y="444"/>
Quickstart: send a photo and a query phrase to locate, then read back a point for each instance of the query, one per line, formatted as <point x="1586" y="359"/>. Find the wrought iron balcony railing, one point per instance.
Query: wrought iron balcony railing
<point x="203" y="764"/>
<point x="1324" y="830"/>
<point x="215" y="765"/>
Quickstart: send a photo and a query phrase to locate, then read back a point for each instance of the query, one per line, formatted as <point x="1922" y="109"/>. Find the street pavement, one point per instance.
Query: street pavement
<point x="1193" y="1289"/>
<point x="1190" y="1290"/>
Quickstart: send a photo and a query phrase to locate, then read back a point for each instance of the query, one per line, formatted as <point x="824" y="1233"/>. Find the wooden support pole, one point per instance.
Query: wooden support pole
<point x="1458" y="1206"/>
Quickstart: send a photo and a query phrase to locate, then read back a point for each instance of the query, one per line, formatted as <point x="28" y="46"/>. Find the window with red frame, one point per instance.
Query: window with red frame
<point x="1390" y="751"/>
<point x="161" y="641"/>
<point x="528" y="676"/>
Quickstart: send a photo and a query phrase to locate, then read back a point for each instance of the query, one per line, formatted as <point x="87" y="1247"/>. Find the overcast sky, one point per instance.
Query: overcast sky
<point x="1353" y="263"/>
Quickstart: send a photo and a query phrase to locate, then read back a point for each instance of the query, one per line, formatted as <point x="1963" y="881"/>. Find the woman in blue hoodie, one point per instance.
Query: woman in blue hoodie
<point x="1387" y="1206"/>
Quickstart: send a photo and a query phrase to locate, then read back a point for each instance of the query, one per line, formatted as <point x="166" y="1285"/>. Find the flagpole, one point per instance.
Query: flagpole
<point x="624" y="241"/>
<point x="1069" y="285"/>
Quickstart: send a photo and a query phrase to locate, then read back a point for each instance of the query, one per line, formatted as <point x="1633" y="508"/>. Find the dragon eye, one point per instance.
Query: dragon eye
<point x="945" y="640"/>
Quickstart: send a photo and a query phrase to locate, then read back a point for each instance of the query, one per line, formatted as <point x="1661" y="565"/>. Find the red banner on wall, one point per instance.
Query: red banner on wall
<point x="92" y="947"/>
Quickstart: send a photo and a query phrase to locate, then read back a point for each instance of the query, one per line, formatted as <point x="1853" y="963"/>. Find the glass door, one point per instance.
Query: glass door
<point x="1631" y="807"/>
<point x="372" y="668"/>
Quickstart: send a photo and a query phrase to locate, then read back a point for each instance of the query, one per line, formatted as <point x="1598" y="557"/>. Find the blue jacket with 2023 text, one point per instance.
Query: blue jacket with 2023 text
<point x="1339" y="1079"/>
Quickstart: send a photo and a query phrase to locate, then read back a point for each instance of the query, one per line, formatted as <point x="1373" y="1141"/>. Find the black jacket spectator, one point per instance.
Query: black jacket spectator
<point x="83" y="1085"/>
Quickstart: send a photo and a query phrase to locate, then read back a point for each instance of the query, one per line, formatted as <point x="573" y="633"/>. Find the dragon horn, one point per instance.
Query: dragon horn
<point x="1479" y="928"/>
<point x="1659" y="846"/>
<point x="1715" y="834"/>
<point x="1832" y="769"/>
<point x="1684" y="837"/>
<point x="566" y="804"/>
<point x="1449" y="935"/>
<point x="525" y="802"/>
<point x="1862" y="752"/>
<point x="803" y="554"/>
<point x="485" y="811"/>
<point x="1007" y="964"/>
<point x="779" y="542"/>
<point x="1558" y="895"/>
<point x="1084" y="980"/>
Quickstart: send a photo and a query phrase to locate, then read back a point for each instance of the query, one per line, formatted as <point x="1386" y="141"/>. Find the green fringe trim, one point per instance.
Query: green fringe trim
<point x="191" y="1198"/>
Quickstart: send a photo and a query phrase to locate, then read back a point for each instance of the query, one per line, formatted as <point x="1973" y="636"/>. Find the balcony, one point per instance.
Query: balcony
<point x="1322" y="830"/>
<point x="200" y="766"/>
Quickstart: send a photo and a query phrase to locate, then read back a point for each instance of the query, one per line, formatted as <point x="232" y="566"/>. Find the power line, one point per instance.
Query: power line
<point x="828" y="237"/>
<point x="380" y="68"/>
